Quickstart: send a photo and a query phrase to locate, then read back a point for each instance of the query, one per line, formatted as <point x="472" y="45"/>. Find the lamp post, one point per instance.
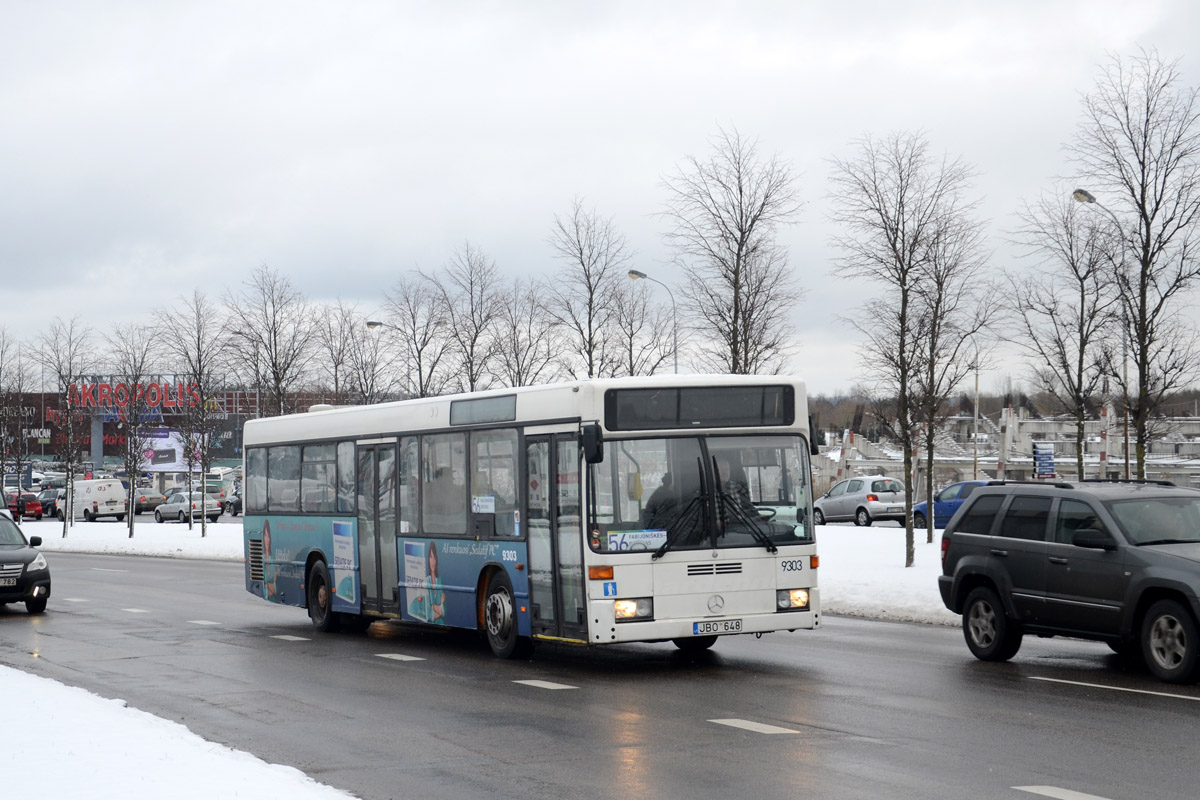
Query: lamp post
<point x="637" y="275"/>
<point x="975" y="467"/>
<point x="1086" y="197"/>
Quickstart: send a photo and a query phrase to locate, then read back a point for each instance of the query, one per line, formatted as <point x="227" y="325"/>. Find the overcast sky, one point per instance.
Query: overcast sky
<point x="149" y="148"/>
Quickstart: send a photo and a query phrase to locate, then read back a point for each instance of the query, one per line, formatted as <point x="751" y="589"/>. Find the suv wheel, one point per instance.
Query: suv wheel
<point x="1170" y="642"/>
<point x="990" y="634"/>
<point x="862" y="518"/>
<point x="818" y="517"/>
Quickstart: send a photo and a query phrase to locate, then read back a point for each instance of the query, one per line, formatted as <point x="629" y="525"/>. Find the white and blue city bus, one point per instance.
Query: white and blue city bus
<point x="602" y="511"/>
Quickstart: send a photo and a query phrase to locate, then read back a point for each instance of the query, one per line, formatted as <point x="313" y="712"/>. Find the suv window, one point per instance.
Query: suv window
<point x="978" y="518"/>
<point x="1026" y="518"/>
<point x="1074" y="516"/>
<point x="968" y="489"/>
<point x="855" y="486"/>
<point x="838" y="490"/>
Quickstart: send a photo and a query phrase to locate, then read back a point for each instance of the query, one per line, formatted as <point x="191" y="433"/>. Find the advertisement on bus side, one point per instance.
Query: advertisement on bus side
<point x="438" y="578"/>
<point x="287" y="542"/>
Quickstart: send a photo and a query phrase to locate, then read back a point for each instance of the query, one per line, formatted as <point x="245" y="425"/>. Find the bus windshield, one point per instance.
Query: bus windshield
<point x="700" y="492"/>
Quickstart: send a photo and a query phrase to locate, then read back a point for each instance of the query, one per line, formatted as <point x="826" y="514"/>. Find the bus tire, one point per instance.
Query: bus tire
<point x="355" y="623"/>
<point x="695" y="644"/>
<point x="320" y="599"/>
<point x="500" y="619"/>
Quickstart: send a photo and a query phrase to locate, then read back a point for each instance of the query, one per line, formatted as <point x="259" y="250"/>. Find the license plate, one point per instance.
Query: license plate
<point x="8" y="581"/>
<point x="895" y="509"/>
<point x="709" y="627"/>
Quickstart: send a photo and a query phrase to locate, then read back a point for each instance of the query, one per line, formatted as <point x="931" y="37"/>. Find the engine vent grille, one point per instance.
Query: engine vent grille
<point x="724" y="568"/>
<point x="256" y="559"/>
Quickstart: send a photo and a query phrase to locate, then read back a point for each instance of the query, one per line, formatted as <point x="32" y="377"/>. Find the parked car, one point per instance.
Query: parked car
<point x="50" y="500"/>
<point x="946" y="502"/>
<point x="864" y="500"/>
<point x="233" y="505"/>
<point x="180" y="504"/>
<point x="26" y="502"/>
<point x="147" y="500"/>
<point x="24" y="573"/>
<point x="1117" y="562"/>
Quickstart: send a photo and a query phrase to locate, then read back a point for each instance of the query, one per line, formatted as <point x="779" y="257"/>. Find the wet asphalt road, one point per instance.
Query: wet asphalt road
<point x="857" y="709"/>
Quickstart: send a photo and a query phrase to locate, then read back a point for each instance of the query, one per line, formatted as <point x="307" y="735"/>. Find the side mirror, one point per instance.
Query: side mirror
<point x="35" y="541"/>
<point x="591" y="442"/>
<point x="1093" y="540"/>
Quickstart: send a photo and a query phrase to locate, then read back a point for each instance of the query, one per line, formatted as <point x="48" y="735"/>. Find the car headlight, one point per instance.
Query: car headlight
<point x="38" y="563"/>
<point x="641" y="608"/>
<point x="791" y="599"/>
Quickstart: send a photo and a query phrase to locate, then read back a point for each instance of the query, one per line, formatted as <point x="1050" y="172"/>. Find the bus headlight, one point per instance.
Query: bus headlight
<point x="791" y="599"/>
<point x="641" y="608"/>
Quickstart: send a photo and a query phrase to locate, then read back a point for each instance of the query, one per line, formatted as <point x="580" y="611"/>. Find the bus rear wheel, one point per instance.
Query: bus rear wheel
<point x="500" y="619"/>
<point x="320" y="599"/>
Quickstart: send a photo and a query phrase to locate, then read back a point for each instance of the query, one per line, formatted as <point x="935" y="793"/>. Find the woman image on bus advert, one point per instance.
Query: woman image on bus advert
<point x="269" y="570"/>
<point x="434" y="592"/>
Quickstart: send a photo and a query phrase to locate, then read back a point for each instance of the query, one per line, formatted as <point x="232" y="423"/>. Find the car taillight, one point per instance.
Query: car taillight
<point x="945" y="547"/>
<point x="872" y="498"/>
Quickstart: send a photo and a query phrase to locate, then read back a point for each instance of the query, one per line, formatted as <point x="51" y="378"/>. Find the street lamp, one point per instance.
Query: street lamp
<point x="374" y="323"/>
<point x="1086" y="197"/>
<point x="636" y="275"/>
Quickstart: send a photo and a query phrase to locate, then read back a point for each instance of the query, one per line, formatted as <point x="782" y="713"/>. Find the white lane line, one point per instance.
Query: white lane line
<point x="76" y="599"/>
<point x="1057" y="793"/>
<point x="1116" y="688"/>
<point x="399" y="657"/>
<point x="203" y="622"/>
<point x="546" y="685"/>
<point x="105" y="569"/>
<point x="756" y="727"/>
<point x="285" y="637"/>
<point x="136" y="610"/>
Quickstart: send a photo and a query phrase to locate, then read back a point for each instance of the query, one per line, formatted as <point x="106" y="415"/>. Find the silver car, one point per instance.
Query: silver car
<point x="864" y="500"/>
<point x="180" y="504"/>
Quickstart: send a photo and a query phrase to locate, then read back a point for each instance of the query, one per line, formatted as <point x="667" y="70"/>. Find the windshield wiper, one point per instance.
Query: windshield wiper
<point x="689" y="514"/>
<point x="730" y="504"/>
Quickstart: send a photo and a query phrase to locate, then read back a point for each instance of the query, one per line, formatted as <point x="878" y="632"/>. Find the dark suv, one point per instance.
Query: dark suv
<point x="1117" y="562"/>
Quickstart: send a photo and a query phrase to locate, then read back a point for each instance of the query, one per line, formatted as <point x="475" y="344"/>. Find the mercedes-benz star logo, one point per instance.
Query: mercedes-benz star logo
<point x="716" y="603"/>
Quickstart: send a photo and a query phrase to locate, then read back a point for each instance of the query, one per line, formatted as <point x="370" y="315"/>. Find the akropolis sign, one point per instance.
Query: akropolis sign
<point x="108" y="391"/>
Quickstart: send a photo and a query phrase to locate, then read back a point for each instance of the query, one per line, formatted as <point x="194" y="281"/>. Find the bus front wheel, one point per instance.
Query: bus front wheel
<point x="320" y="599"/>
<point x="695" y="644"/>
<point x="500" y="618"/>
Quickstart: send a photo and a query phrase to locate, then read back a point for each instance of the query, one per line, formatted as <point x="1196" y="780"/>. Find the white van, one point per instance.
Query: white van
<point x="104" y="497"/>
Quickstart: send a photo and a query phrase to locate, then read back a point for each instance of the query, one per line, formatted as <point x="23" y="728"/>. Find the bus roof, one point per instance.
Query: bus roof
<point x="560" y="402"/>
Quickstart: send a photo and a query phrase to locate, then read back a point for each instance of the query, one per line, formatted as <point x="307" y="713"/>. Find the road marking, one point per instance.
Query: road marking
<point x="399" y="657"/>
<point x="1116" y="688"/>
<point x="203" y="622"/>
<point x="285" y="637"/>
<point x="136" y="610"/>
<point x="76" y="599"/>
<point x="104" y="569"/>
<point x="747" y="725"/>
<point x="546" y="685"/>
<point x="1057" y="793"/>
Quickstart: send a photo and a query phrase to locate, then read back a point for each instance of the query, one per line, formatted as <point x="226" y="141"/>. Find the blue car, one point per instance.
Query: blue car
<point x="946" y="502"/>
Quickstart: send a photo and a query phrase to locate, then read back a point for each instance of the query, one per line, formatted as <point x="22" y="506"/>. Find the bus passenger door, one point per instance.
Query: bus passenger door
<point x="555" y="534"/>
<point x="378" y="567"/>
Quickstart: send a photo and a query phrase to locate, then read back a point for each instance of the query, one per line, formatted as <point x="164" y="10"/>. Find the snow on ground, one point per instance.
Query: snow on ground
<point x="82" y="745"/>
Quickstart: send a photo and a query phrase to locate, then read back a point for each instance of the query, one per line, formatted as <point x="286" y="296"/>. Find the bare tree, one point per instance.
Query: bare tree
<point x="65" y="349"/>
<point x="1065" y="314"/>
<point x="415" y="314"/>
<point x="952" y="310"/>
<point x="525" y="335"/>
<point x="15" y="421"/>
<point x="337" y="329"/>
<point x="370" y="363"/>
<point x="467" y="288"/>
<point x="195" y="341"/>
<point x="724" y="213"/>
<point x="642" y="329"/>
<point x="271" y="334"/>
<point x="1140" y="144"/>
<point x="132" y="353"/>
<point x="582" y="297"/>
<point x="894" y="204"/>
